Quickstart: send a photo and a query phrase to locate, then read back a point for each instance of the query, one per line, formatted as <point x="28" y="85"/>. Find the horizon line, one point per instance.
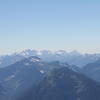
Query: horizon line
<point x="53" y="51"/>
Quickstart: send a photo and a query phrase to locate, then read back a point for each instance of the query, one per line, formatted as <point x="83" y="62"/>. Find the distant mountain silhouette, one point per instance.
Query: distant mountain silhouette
<point x="7" y="60"/>
<point x="92" y="70"/>
<point x="72" y="58"/>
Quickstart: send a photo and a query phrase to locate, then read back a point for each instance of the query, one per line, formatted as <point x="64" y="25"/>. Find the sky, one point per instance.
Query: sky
<point x="50" y="24"/>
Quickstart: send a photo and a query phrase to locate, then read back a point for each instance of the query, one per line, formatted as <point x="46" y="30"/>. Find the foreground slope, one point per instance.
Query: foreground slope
<point x="19" y="77"/>
<point x="64" y="84"/>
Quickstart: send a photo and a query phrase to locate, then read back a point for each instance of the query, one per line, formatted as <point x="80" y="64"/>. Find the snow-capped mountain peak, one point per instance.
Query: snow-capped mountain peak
<point x="34" y="59"/>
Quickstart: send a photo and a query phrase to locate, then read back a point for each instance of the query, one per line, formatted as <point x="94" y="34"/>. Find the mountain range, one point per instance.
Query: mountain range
<point x="92" y="70"/>
<point x="32" y="75"/>
<point x="72" y="58"/>
<point x="64" y="84"/>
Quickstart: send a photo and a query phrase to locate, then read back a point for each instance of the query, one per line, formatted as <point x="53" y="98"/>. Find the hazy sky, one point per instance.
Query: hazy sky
<point x="50" y="24"/>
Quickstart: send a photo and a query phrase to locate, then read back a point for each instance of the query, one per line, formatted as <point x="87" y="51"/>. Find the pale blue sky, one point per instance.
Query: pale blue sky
<point x="50" y="24"/>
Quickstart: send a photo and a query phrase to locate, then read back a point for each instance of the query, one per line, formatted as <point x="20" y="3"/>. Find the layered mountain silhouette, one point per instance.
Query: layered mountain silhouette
<point x="72" y="58"/>
<point x="19" y="77"/>
<point x="92" y="70"/>
<point x="35" y="79"/>
<point x="7" y="60"/>
<point x="64" y="84"/>
<point x="22" y="75"/>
